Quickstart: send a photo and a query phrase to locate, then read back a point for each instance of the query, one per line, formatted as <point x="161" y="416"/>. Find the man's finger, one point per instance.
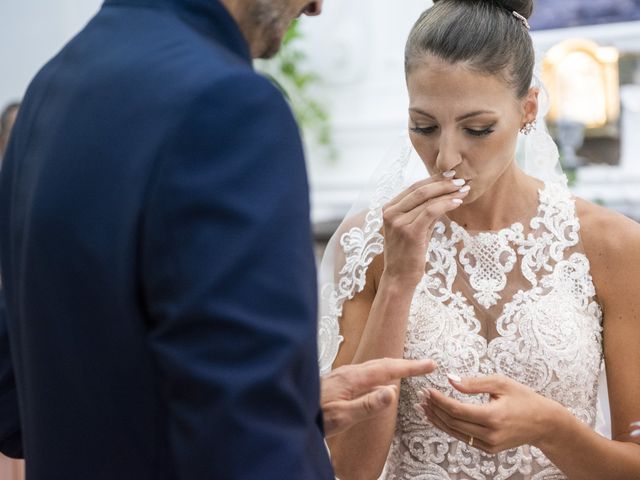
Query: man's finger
<point x="387" y="370"/>
<point x="346" y="414"/>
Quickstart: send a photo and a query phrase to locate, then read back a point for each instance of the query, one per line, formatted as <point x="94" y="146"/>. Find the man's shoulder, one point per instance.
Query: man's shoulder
<point x="161" y="55"/>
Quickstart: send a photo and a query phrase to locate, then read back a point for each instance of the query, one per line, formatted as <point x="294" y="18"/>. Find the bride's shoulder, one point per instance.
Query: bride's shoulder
<point x="604" y="228"/>
<point x="611" y="242"/>
<point x="358" y="235"/>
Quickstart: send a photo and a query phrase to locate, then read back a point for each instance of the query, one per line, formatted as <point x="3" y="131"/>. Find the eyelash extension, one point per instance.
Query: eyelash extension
<point x="480" y="133"/>
<point x="423" y="131"/>
<point x="470" y="131"/>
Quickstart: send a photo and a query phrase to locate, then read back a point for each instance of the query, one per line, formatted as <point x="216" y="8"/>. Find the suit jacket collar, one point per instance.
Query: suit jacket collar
<point x="209" y="16"/>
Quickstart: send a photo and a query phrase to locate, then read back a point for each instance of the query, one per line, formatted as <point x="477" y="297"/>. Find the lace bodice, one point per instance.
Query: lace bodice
<point x="519" y="302"/>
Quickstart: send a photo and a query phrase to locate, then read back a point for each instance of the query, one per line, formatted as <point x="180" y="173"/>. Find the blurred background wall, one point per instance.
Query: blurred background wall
<point x="32" y="31"/>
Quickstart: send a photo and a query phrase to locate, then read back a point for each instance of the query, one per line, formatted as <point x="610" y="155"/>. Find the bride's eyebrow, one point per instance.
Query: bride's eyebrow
<point x="473" y="114"/>
<point x="459" y="119"/>
<point x="421" y="112"/>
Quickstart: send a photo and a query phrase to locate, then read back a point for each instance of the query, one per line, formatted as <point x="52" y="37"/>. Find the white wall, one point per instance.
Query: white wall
<point x="357" y="47"/>
<point x="31" y="32"/>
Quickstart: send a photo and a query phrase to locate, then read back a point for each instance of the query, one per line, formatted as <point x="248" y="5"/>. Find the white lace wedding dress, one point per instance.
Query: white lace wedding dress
<point x="519" y="302"/>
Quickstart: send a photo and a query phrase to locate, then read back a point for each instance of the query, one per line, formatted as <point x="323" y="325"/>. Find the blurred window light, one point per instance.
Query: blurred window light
<point x="583" y="83"/>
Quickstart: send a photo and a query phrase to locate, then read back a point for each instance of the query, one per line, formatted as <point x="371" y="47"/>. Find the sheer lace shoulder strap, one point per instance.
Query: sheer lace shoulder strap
<point x="351" y="250"/>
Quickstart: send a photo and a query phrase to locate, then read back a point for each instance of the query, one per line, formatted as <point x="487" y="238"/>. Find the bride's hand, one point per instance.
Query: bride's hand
<point x="515" y="415"/>
<point x="409" y="220"/>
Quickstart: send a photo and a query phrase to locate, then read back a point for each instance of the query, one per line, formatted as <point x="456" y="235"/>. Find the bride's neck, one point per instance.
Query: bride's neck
<point x="513" y="196"/>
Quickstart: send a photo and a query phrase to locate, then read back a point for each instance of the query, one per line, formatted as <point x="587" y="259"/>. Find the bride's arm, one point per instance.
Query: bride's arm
<point x="612" y="244"/>
<point x="373" y="326"/>
<point x="374" y="322"/>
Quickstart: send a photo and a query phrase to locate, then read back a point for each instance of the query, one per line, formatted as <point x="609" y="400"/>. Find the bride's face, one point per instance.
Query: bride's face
<point x="464" y="121"/>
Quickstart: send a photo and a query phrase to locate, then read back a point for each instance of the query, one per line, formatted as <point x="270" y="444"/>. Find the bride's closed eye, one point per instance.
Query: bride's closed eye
<point x="471" y="131"/>
<point x="480" y="133"/>
<point x="424" y="130"/>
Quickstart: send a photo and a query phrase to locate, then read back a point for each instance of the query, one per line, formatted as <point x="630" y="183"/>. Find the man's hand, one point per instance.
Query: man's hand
<point x="353" y="393"/>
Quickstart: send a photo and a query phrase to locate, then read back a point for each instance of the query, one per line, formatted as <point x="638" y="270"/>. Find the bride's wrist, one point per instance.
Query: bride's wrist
<point x="397" y="285"/>
<point x="556" y="422"/>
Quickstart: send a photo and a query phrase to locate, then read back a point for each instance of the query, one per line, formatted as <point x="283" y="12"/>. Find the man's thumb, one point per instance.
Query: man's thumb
<point x="373" y="403"/>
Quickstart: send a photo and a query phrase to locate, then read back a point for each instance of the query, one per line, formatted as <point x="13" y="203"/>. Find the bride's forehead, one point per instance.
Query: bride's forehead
<point x="457" y="88"/>
<point x="455" y="79"/>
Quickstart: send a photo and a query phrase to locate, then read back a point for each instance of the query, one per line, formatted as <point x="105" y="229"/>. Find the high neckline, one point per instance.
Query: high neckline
<point x="209" y="16"/>
<point x="542" y="199"/>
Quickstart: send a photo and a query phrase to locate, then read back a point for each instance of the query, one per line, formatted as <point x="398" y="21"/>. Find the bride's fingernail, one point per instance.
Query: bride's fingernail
<point x="454" y="378"/>
<point x="458" y="182"/>
<point x="449" y="174"/>
<point x="457" y="201"/>
<point x="635" y="434"/>
<point x="465" y="189"/>
<point x="635" y="424"/>
<point x="420" y="396"/>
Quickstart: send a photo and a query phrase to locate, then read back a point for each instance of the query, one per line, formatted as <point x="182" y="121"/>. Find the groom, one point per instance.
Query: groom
<point x="157" y="262"/>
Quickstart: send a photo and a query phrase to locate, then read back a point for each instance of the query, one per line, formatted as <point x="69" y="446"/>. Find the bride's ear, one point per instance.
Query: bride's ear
<point x="530" y="106"/>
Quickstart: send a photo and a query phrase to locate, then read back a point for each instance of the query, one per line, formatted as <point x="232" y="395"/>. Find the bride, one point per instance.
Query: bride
<point x="524" y="292"/>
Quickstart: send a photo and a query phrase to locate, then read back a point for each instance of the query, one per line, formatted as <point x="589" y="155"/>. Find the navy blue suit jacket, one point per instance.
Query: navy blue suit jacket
<point x="157" y="260"/>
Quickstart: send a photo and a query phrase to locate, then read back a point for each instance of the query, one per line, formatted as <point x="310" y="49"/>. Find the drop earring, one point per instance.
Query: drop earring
<point x="528" y="128"/>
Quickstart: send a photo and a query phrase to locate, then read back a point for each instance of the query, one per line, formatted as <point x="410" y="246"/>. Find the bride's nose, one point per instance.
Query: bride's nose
<point x="448" y="156"/>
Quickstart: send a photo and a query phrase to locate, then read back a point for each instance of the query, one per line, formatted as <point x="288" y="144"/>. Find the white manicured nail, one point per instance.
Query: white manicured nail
<point x="454" y="378"/>
<point x="449" y="174"/>
<point x="635" y="424"/>
<point x="458" y="182"/>
<point x="465" y="189"/>
<point x="457" y="201"/>
<point x="635" y="434"/>
<point x="420" y="395"/>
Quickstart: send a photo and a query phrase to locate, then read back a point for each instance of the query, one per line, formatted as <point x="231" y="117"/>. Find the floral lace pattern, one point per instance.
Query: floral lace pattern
<point x="520" y="303"/>
<point x="359" y="247"/>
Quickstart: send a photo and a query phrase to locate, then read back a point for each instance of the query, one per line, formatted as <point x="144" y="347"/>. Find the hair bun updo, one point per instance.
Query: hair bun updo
<point x="523" y="7"/>
<point x="485" y="35"/>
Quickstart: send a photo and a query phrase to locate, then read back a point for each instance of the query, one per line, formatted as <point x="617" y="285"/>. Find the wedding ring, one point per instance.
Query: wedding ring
<point x="471" y="440"/>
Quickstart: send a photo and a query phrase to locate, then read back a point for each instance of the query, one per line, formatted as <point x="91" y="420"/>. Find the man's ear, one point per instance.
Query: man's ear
<point x="530" y="106"/>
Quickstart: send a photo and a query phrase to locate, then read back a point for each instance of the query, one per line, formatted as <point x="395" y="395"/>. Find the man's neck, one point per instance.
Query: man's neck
<point x="237" y="9"/>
